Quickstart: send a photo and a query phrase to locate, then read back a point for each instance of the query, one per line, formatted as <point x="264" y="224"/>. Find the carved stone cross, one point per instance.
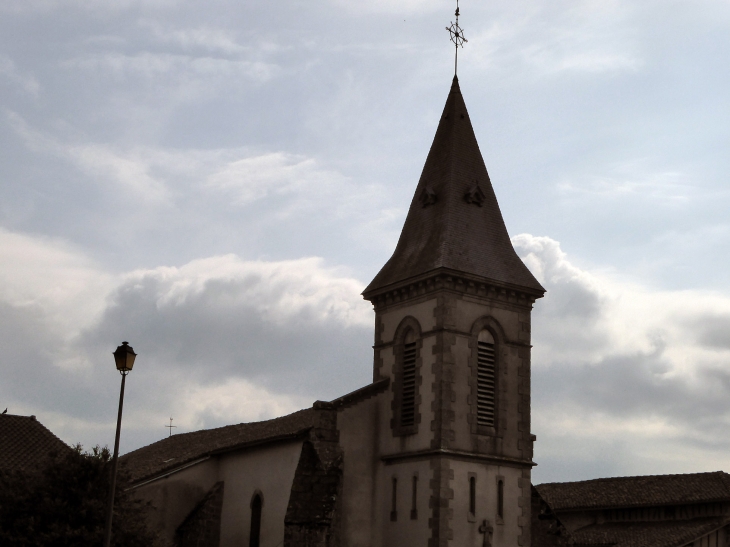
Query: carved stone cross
<point x="487" y="530"/>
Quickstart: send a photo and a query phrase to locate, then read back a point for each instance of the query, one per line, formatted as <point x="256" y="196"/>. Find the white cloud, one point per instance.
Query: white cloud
<point x="8" y="70"/>
<point x="220" y="339"/>
<point x="156" y="175"/>
<point x="279" y="292"/>
<point x="128" y="169"/>
<point x="403" y="7"/>
<point x="201" y="37"/>
<point x="549" y="39"/>
<point x="51" y="275"/>
<point x="233" y="401"/>
<point x="635" y="178"/>
<point x="252" y="178"/>
<point x="174" y="69"/>
<point x="43" y="6"/>
<point x="618" y="362"/>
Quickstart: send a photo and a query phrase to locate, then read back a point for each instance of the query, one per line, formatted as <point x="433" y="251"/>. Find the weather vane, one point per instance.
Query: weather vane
<point x="456" y="33"/>
<point x="170" y="427"/>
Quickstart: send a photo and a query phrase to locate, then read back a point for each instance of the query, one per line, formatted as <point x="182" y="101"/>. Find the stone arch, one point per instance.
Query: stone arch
<point x="492" y="325"/>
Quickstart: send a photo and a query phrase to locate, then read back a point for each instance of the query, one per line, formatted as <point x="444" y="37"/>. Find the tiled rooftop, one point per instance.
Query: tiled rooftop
<point x="450" y="231"/>
<point x="177" y="450"/>
<point x="646" y="534"/>
<point x="651" y="490"/>
<point x="25" y="443"/>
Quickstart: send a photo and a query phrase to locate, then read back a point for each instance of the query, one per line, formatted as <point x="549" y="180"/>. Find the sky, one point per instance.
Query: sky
<point x="216" y="182"/>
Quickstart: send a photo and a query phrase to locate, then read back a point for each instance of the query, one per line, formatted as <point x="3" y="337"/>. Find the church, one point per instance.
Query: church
<point x="437" y="451"/>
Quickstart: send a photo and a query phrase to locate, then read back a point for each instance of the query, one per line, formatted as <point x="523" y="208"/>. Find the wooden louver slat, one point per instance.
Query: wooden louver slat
<point x="485" y="384"/>
<point x="408" y="401"/>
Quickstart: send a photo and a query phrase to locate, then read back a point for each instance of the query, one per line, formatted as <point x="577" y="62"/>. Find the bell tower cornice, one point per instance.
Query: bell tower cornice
<point x="447" y="279"/>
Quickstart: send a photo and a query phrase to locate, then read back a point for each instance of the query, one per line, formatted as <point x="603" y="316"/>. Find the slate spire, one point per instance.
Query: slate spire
<point x="454" y="223"/>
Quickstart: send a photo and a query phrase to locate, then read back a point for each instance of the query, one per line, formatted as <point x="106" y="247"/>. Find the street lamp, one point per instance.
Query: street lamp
<point x="124" y="359"/>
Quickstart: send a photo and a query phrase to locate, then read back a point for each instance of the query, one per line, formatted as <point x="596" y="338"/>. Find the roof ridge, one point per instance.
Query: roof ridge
<point x="214" y="429"/>
<point x="601" y="479"/>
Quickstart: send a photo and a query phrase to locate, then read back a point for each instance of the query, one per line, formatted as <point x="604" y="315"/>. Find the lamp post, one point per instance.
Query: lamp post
<point x="124" y="359"/>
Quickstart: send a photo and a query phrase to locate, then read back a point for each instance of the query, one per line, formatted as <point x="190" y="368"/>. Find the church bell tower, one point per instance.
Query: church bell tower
<point x="452" y="333"/>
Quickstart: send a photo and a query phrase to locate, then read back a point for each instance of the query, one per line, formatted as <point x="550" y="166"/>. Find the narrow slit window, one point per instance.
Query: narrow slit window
<point x="486" y="379"/>
<point x="500" y="499"/>
<point x="472" y="495"/>
<point x="394" y="501"/>
<point x="414" y="498"/>
<point x="255" y="533"/>
<point x="408" y="401"/>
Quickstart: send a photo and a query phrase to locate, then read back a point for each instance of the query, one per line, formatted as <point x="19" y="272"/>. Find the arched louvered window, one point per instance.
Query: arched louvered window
<point x="406" y="377"/>
<point x="408" y="385"/>
<point x="255" y="535"/>
<point x="486" y="379"/>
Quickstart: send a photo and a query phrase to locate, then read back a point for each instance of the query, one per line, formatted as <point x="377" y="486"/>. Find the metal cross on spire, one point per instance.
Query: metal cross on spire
<point x="456" y="33"/>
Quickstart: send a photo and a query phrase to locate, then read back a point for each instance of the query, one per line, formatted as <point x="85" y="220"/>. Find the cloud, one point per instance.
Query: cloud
<point x="181" y="68"/>
<point x="622" y="374"/>
<point x="560" y="38"/>
<point x="252" y="178"/>
<point x="618" y="363"/>
<point x="404" y="7"/>
<point x="202" y="37"/>
<point x="156" y="176"/>
<point x="9" y="70"/>
<point x="241" y="318"/>
<point x="219" y="339"/>
<point x="51" y="276"/>
<point x="44" y="6"/>
<point x="632" y="179"/>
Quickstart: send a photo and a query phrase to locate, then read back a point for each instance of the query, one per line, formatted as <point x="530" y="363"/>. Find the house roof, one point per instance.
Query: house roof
<point x="675" y="533"/>
<point x="176" y="451"/>
<point x="454" y="222"/>
<point x="650" y="490"/>
<point x="25" y="443"/>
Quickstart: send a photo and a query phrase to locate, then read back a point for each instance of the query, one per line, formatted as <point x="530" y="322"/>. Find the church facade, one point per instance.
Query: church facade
<point x="437" y="451"/>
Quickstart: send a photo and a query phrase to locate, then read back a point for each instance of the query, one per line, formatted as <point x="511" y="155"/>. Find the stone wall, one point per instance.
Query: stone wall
<point x="312" y="516"/>
<point x="202" y="527"/>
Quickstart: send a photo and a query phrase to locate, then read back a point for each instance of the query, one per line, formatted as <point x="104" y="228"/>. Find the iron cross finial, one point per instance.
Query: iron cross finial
<point x="456" y="33"/>
<point x="170" y="427"/>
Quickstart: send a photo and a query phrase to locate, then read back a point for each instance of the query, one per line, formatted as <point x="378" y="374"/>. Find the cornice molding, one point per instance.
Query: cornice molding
<point x="457" y="455"/>
<point x="458" y="282"/>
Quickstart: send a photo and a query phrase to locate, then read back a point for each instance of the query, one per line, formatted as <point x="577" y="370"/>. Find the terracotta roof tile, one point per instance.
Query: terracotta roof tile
<point x="25" y="443"/>
<point x="675" y="533"/>
<point x="454" y="222"/>
<point x="650" y="490"/>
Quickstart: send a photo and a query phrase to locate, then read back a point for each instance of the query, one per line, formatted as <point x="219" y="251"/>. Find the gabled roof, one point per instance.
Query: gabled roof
<point x="675" y="533"/>
<point x="25" y="443"/>
<point x="178" y="450"/>
<point x="650" y="490"/>
<point x="454" y="222"/>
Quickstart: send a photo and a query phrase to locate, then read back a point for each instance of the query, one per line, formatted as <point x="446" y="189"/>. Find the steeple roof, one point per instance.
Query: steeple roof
<point x="454" y="222"/>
